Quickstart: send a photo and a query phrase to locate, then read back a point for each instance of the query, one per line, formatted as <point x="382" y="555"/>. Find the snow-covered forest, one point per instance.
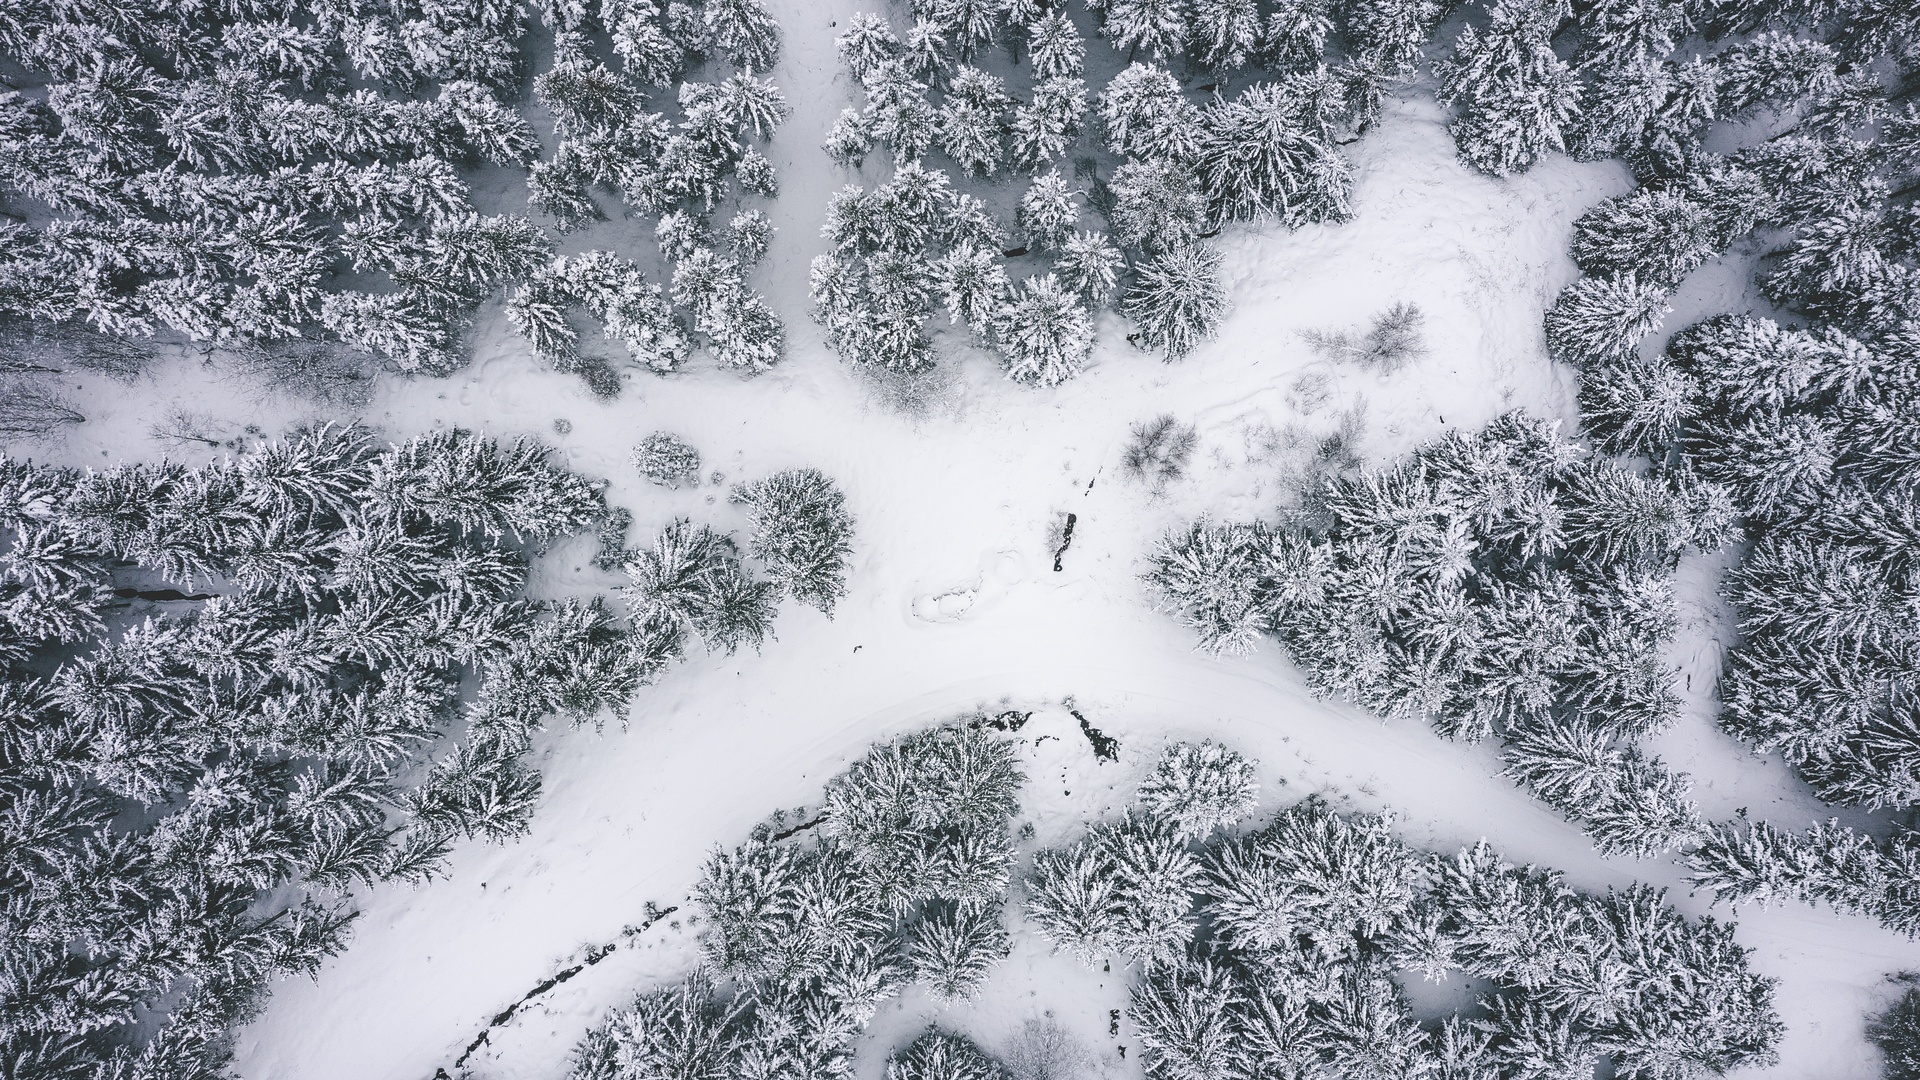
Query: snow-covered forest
<point x="959" y="539"/>
<point x="1270" y="951"/>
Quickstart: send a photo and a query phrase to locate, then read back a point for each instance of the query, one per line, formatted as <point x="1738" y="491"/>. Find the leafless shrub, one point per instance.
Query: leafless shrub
<point x="1338" y="451"/>
<point x="1305" y="456"/>
<point x="1160" y="451"/>
<point x="30" y="409"/>
<point x="916" y="394"/>
<point x="320" y="371"/>
<point x="1393" y="341"/>
<point x="41" y="348"/>
<point x="185" y="427"/>
<point x="1043" y="1050"/>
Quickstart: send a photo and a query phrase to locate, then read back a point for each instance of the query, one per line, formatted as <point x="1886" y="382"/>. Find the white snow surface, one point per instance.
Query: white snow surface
<point x="954" y="605"/>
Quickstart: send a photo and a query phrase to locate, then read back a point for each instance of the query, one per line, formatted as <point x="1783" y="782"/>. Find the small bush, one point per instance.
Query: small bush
<point x="667" y="460"/>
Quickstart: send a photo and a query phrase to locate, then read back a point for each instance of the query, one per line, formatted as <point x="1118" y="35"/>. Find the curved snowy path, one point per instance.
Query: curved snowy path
<point x="954" y="605"/>
<point x="629" y="818"/>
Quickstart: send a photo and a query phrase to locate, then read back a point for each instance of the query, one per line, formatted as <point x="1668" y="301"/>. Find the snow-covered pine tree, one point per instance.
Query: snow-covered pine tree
<point x="1043" y="331"/>
<point x="954" y="947"/>
<point x="1088" y="265"/>
<point x="1296" y="33"/>
<point x="938" y="1055"/>
<point x="1839" y="265"/>
<point x="757" y="175"/>
<point x="740" y="327"/>
<point x="643" y="39"/>
<point x="1616" y="33"/>
<point x="1043" y="128"/>
<point x="456" y="478"/>
<point x="680" y="234"/>
<point x="1747" y="364"/>
<point x="1517" y="98"/>
<point x="1147" y="115"/>
<point x="749" y="104"/>
<point x="743" y="30"/>
<point x="1073" y="895"/>
<point x="971" y="122"/>
<point x="1047" y="211"/>
<point x="874" y="311"/>
<point x="969" y="24"/>
<point x="1658" y="235"/>
<point x="1200" y="787"/>
<point x="1156" y="204"/>
<point x="1636" y="406"/>
<point x="1268" y="151"/>
<point x="692" y="576"/>
<point x="1159" y="28"/>
<point x="926" y="818"/>
<point x="632" y="311"/>
<point x="1177" y="299"/>
<point x="683" y="1030"/>
<point x="802" y="532"/>
<point x="1391" y="33"/>
<point x="1618" y="519"/>
<point x="1210" y="577"/>
<point x="866" y="43"/>
<point x="1628" y="804"/>
<point x="1600" y="319"/>
<point x="1653" y="112"/>
<point x="1775" y="466"/>
<point x="578" y="664"/>
<point x="1225" y="34"/>
<point x="974" y="285"/>
<point x="1896" y="1032"/>
<point x="1775" y="66"/>
<point x="1054" y="46"/>
<point x="1335" y="881"/>
<point x="926" y="51"/>
<point x="898" y="112"/>
<point x="749" y="235"/>
<point x="850" y="139"/>
<point x="1185" y="1013"/>
<point x="1155" y="877"/>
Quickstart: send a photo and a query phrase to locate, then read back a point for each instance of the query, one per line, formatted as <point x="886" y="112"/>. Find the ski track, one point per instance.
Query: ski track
<point x="953" y="606"/>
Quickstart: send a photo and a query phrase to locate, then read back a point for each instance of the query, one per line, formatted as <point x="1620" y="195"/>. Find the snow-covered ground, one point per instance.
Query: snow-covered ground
<point x="954" y="605"/>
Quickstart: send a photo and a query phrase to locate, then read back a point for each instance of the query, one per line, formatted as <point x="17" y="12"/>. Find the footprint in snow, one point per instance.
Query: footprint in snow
<point x="998" y="571"/>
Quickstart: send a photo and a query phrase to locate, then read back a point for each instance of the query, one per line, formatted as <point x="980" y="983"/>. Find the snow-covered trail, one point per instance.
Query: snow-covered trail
<point x="629" y="817"/>
<point x="954" y="605"/>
